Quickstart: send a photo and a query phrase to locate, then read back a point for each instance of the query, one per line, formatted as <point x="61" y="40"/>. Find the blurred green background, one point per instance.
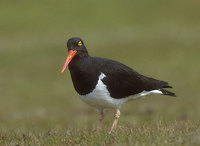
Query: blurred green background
<point x="157" y="38"/>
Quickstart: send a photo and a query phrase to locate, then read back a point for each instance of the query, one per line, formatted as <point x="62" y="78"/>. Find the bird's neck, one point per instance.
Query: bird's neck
<point x="79" y="59"/>
<point x="82" y="54"/>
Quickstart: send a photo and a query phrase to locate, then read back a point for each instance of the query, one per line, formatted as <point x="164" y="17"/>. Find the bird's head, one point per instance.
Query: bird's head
<point x="75" y="47"/>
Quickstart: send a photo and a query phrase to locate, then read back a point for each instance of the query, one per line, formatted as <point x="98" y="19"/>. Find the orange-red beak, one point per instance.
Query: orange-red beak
<point x="70" y="56"/>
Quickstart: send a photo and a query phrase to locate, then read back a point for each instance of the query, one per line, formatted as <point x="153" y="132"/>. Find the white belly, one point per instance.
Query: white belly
<point x="100" y="97"/>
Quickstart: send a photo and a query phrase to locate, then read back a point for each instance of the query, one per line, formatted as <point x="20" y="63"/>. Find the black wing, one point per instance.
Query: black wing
<point x="122" y="81"/>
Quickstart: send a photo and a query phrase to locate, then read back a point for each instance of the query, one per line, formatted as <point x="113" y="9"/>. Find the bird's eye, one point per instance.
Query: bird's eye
<point x="79" y="43"/>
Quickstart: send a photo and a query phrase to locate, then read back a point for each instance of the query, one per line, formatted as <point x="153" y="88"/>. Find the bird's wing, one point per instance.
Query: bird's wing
<point x="122" y="81"/>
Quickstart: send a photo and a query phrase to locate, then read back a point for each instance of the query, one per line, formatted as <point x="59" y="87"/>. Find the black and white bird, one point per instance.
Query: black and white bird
<point x="104" y="83"/>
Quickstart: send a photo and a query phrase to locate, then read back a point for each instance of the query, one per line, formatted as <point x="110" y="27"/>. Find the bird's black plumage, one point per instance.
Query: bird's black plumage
<point x="121" y="81"/>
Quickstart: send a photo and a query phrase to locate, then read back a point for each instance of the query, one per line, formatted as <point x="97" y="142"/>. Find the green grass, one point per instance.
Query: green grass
<point x="157" y="38"/>
<point x="146" y="133"/>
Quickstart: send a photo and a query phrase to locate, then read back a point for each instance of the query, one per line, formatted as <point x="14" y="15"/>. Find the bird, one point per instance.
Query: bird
<point x="105" y="83"/>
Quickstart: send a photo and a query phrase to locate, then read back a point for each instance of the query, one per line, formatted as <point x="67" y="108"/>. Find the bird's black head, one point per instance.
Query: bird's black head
<point x="76" y="49"/>
<point x="77" y="44"/>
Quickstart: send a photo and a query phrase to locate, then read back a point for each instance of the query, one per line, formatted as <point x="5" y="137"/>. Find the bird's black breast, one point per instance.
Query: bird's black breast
<point x="84" y="75"/>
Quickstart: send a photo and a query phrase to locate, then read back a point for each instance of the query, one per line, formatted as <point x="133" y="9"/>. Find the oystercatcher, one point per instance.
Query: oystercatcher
<point x="105" y="83"/>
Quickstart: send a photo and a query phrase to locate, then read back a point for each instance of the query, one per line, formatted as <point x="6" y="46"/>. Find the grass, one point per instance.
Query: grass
<point x="161" y="132"/>
<point x="38" y="105"/>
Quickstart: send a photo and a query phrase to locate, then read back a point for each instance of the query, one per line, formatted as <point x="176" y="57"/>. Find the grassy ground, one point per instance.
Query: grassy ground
<point x="157" y="38"/>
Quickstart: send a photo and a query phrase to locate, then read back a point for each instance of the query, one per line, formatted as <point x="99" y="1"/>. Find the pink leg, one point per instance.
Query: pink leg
<point x="101" y="118"/>
<point x="116" y="117"/>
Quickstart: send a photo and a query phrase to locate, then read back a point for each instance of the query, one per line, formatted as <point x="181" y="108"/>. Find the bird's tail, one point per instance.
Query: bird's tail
<point x="160" y="85"/>
<point x="165" y="92"/>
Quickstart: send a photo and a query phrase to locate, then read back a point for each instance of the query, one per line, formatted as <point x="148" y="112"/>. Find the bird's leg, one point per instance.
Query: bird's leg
<point x="116" y="117"/>
<point x="101" y="118"/>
